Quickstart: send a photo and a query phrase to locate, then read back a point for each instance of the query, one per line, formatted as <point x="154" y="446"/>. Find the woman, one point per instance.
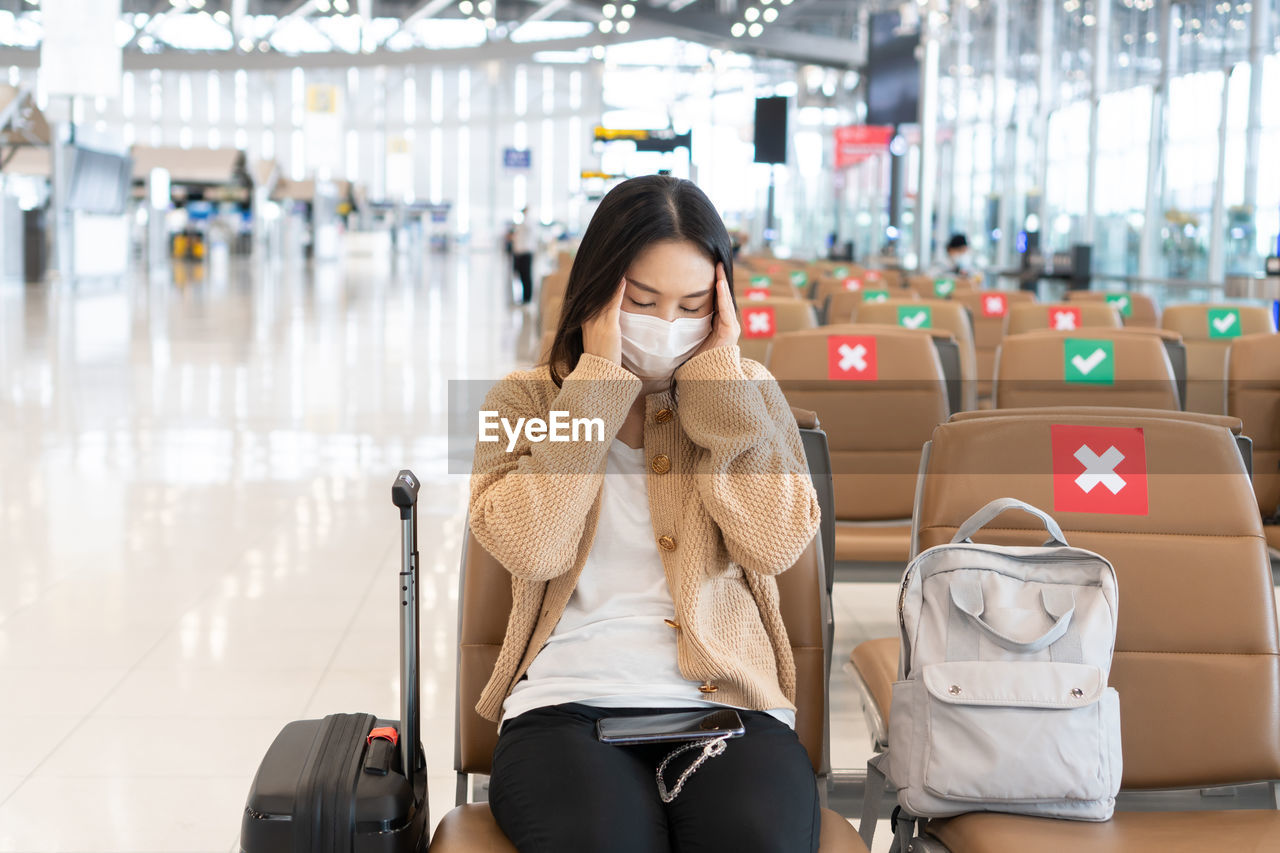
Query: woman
<point x="651" y="589"/>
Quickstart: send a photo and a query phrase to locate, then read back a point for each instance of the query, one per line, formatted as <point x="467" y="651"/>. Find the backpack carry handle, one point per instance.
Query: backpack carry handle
<point x="1059" y="604"/>
<point x="987" y="514"/>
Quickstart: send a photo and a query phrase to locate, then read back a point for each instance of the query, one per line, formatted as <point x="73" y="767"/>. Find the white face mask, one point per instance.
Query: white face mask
<point x="652" y="348"/>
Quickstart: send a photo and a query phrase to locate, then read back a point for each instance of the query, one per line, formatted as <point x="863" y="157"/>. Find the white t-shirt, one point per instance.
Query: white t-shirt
<point x="522" y="239"/>
<point x="612" y="648"/>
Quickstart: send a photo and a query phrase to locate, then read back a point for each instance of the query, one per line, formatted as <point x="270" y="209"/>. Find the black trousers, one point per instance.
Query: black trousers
<point x="556" y="789"/>
<point x="523" y="262"/>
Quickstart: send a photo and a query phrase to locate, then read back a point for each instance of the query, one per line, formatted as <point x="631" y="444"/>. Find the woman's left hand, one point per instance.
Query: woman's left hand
<point x="724" y="322"/>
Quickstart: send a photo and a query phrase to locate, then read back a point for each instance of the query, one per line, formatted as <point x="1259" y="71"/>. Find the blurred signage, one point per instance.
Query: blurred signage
<point x="322" y="98"/>
<point x="517" y="158"/>
<point x="1273" y="265"/>
<point x="75" y="58"/>
<point x="646" y="140"/>
<point x="857" y="142"/>
<point x="602" y="176"/>
<point x="323" y="120"/>
<point x="438" y="211"/>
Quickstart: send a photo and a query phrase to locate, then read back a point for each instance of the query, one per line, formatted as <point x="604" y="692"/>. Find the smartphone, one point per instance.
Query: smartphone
<point x="656" y="728"/>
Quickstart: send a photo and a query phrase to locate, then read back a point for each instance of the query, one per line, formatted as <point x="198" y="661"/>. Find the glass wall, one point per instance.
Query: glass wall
<point x="1046" y="81"/>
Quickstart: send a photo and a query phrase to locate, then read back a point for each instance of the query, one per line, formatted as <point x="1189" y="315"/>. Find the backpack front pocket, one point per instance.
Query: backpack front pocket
<point x="1019" y="732"/>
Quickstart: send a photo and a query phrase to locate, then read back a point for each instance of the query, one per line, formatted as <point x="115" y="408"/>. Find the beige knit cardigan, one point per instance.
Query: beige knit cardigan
<point x="734" y="508"/>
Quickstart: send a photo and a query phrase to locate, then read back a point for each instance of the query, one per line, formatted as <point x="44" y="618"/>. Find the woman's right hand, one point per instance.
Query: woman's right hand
<point x="602" y="334"/>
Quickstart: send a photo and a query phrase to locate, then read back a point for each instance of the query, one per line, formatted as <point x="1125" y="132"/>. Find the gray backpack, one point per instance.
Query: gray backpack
<point x="1002" y="702"/>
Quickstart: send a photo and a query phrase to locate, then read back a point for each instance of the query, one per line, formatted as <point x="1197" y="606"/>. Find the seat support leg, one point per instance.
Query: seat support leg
<point x="872" y="794"/>
<point x="460" y="791"/>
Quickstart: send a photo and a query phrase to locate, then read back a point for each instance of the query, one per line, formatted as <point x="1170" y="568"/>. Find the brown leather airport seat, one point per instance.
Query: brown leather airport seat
<point x="884" y="279"/>
<point x="938" y="286"/>
<point x="1208" y="331"/>
<point x="875" y="662"/>
<point x="1253" y="395"/>
<point x="1105" y="368"/>
<point x="1171" y="341"/>
<point x="763" y="320"/>
<point x="988" y="309"/>
<point x="551" y="299"/>
<point x="1197" y="661"/>
<point x="1136" y="309"/>
<point x="778" y="286"/>
<point x="485" y="592"/>
<point x="937" y="314"/>
<point x="878" y="391"/>
<point x="830" y="283"/>
<point x="843" y="306"/>
<point x="1060" y="316"/>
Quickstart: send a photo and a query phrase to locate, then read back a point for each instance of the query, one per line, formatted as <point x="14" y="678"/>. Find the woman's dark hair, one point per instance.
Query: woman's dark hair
<point x="635" y="214"/>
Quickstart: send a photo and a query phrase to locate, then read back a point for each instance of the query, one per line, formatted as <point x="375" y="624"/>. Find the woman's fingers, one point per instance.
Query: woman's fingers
<point x="615" y="304"/>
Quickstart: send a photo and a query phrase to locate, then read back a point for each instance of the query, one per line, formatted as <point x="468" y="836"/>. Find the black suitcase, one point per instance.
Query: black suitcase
<point x="339" y="785"/>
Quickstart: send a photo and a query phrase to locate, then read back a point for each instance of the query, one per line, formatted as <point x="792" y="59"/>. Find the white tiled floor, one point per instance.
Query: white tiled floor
<point x="198" y="541"/>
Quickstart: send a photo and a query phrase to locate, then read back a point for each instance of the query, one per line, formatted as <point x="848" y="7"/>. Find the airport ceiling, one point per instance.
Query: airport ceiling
<point x="825" y="32"/>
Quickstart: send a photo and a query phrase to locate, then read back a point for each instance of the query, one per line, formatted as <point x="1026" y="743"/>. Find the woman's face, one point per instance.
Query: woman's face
<point x="670" y="280"/>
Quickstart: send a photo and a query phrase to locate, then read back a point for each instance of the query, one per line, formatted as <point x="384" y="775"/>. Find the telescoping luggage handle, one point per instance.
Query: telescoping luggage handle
<point x="984" y="516"/>
<point x="404" y="494"/>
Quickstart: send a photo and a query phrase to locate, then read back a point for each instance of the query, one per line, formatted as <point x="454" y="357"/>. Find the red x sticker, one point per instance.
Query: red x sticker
<point x="995" y="305"/>
<point x="755" y="294"/>
<point x="873" y="276"/>
<point x="1065" y="319"/>
<point x="853" y="283"/>
<point x="851" y="357"/>
<point x="759" y="322"/>
<point x="1099" y="469"/>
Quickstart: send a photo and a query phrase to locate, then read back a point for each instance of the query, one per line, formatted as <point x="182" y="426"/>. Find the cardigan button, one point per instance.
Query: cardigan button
<point x="664" y="415"/>
<point x="666" y="543"/>
<point x="671" y="623"/>
<point x="660" y="464"/>
<point x="708" y="687"/>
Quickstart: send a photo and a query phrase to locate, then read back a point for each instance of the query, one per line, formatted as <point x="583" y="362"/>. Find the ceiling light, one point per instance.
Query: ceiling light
<point x="221" y="17"/>
<point x="490" y="23"/>
<point x="197" y="4"/>
<point x="623" y="27"/>
<point x="755" y="30"/>
<point x="465" y="7"/>
<point x="606" y="26"/>
<point x="770" y="15"/>
<point x="597" y="52"/>
<point x="246" y="44"/>
<point x="484" y="7"/>
<point x="342" y="6"/>
<point x="628" y="11"/>
<point x="751" y="14"/>
<point x="739" y="30"/>
<point x="609" y="10"/>
<point x="321" y="5"/>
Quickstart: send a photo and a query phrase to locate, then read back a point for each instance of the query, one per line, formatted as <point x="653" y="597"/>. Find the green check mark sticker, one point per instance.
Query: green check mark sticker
<point x="1091" y="361"/>
<point x="944" y="287"/>
<point x="915" y="316"/>
<point x="1224" y="322"/>
<point x="875" y="296"/>
<point x="1121" y="302"/>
